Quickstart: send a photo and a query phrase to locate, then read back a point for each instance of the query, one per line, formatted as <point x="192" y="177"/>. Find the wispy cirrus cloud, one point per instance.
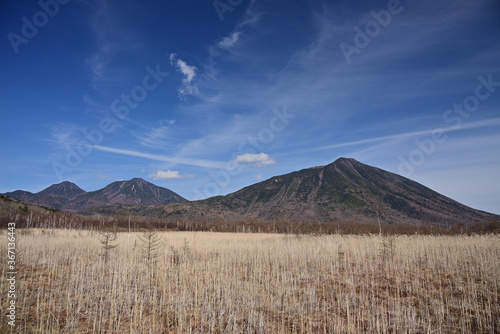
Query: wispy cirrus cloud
<point x="163" y="158"/>
<point x="398" y="137"/>
<point x="64" y="134"/>
<point x="161" y="135"/>
<point x="252" y="15"/>
<point x="113" y="38"/>
<point x="229" y="41"/>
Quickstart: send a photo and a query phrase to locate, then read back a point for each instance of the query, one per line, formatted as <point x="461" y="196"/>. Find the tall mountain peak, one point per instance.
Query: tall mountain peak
<point x="346" y="190"/>
<point x="64" y="189"/>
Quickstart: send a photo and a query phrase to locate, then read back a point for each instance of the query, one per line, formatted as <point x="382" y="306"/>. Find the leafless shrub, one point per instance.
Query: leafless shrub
<point x="149" y="248"/>
<point x="107" y="240"/>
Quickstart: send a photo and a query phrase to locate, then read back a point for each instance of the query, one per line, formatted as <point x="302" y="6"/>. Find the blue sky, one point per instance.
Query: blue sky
<point x="205" y="98"/>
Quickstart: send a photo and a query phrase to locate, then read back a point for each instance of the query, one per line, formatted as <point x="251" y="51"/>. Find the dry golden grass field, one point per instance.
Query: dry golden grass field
<point x="188" y="282"/>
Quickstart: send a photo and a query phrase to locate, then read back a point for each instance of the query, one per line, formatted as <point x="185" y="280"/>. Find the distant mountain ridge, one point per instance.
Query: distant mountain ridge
<point x="67" y="196"/>
<point x="54" y="196"/>
<point x="345" y="190"/>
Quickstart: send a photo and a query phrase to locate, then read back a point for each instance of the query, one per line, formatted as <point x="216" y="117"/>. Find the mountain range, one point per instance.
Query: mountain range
<point x="345" y="190"/>
<point x="68" y="197"/>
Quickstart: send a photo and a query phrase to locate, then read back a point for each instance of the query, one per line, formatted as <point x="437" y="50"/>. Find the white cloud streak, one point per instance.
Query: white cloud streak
<point x="164" y="158"/>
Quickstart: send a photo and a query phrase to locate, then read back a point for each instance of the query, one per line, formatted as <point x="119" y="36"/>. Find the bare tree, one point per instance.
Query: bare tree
<point x="150" y="245"/>
<point x="107" y="240"/>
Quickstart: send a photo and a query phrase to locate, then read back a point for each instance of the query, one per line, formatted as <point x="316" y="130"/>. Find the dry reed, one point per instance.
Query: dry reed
<point x="254" y="283"/>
